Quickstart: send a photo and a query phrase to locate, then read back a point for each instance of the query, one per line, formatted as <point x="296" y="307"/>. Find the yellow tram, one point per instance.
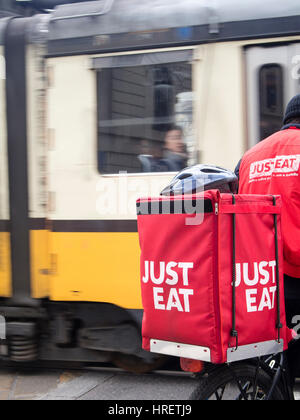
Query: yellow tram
<point x="101" y="103"/>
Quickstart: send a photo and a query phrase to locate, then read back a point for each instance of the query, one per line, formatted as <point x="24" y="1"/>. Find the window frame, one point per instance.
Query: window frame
<point x="185" y="54"/>
<point x="281" y="98"/>
<point x="263" y="112"/>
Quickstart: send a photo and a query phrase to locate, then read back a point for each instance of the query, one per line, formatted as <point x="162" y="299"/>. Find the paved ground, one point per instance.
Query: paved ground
<point x="95" y="385"/>
<point x="92" y="385"/>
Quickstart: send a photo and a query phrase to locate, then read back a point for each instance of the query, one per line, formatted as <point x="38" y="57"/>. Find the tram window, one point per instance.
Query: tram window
<point x="144" y="117"/>
<point x="271" y="99"/>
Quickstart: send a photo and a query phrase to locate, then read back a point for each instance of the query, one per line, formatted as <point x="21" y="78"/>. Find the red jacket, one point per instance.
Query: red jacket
<point x="273" y="167"/>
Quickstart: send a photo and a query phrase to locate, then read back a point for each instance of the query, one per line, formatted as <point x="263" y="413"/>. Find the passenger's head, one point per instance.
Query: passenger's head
<point x="292" y="113"/>
<point x="174" y="140"/>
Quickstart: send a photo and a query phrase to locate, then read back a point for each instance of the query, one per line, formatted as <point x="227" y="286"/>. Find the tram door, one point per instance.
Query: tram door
<point x="273" y="78"/>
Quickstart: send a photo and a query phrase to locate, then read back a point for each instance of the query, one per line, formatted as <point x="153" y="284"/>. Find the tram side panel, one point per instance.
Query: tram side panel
<point x="94" y="241"/>
<point x="93" y="246"/>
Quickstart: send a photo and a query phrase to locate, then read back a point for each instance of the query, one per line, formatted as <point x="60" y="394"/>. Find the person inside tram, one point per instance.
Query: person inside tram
<point x="174" y="149"/>
<point x="273" y="167"/>
<point x="171" y="158"/>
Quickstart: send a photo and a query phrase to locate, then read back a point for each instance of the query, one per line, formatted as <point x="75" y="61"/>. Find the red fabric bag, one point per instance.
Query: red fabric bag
<point x="209" y="280"/>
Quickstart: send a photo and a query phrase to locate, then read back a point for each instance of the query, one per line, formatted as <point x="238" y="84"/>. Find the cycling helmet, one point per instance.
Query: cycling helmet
<point x="201" y="177"/>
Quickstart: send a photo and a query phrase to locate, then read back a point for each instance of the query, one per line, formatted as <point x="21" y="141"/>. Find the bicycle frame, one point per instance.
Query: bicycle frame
<point x="281" y="376"/>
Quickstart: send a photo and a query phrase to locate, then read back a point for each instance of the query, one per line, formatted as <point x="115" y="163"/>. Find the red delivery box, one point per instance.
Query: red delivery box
<point x="211" y="276"/>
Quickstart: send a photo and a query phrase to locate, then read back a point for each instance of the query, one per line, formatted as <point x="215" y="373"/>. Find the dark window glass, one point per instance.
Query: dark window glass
<point x="271" y="99"/>
<point x="144" y="117"/>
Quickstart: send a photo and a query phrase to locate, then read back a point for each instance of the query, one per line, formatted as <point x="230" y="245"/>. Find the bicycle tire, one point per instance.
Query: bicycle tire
<point x="223" y="375"/>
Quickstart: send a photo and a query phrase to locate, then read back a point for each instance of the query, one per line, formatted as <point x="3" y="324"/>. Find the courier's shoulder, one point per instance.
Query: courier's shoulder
<point x="276" y="143"/>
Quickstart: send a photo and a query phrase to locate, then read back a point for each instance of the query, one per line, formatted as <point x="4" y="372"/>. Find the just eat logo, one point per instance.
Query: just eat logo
<point x="279" y="166"/>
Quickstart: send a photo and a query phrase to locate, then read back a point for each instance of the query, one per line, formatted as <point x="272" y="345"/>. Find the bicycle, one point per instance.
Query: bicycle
<point x="264" y="378"/>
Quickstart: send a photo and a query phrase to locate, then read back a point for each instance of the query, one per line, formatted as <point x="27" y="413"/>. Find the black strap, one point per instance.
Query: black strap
<point x="234" y="332"/>
<point x="278" y="323"/>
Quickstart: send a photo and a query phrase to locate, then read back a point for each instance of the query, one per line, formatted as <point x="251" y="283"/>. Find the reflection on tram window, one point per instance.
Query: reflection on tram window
<point x="145" y="118"/>
<point x="271" y="99"/>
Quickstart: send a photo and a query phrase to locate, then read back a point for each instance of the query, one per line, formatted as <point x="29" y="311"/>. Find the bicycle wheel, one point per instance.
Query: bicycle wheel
<point x="237" y="382"/>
